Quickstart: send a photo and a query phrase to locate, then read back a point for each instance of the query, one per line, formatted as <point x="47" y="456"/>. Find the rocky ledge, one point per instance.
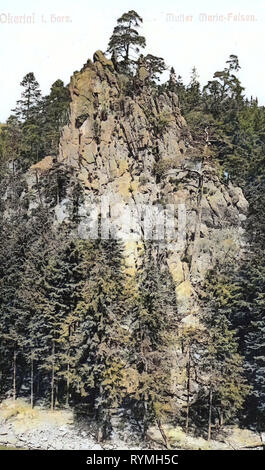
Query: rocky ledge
<point x="39" y="428"/>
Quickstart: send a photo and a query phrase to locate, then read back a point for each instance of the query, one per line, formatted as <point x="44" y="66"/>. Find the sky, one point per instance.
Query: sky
<point x="53" y="38"/>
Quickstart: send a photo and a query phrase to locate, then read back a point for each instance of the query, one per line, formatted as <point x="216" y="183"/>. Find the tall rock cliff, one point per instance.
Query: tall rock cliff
<point x="128" y="143"/>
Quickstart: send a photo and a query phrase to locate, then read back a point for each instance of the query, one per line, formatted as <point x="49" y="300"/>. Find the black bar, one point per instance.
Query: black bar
<point x="124" y="458"/>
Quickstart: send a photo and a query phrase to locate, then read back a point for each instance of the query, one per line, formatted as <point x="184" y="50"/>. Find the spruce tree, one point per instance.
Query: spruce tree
<point x="27" y="112"/>
<point x="193" y="94"/>
<point x="222" y="368"/>
<point x="97" y="342"/>
<point x="11" y="142"/>
<point x="54" y="115"/>
<point x="154" y="322"/>
<point x="247" y="313"/>
<point x="30" y="97"/>
<point x="12" y="322"/>
<point x="59" y="301"/>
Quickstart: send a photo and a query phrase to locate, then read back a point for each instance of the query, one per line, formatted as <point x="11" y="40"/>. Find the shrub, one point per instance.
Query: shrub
<point x="161" y="122"/>
<point x="162" y="166"/>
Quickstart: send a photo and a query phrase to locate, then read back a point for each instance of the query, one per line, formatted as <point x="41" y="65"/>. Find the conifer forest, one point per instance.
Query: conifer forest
<point x="122" y="322"/>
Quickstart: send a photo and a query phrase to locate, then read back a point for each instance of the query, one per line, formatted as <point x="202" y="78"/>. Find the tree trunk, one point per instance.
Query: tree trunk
<point x="32" y="381"/>
<point x="220" y="417"/>
<point x="14" y="374"/>
<point x="37" y="390"/>
<point x="38" y="188"/>
<point x="52" y="379"/>
<point x="56" y="394"/>
<point x="145" y="427"/>
<point x="210" y="414"/>
<point x="198" y="220"/>
<point x="68" y="367"/>
<point x="67" y="384"/>
<point x="188" y="391"/>
<point x="100" y="420"/>
<point x="163" y="434"/>
<point x="127" y="53"/>
<point x="145" y="400"/>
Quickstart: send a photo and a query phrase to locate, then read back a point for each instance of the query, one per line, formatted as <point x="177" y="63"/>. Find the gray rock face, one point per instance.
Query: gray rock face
<point x="131" y="156"/>
<point x="135" y="151"/>
<point x="130" y="153"/>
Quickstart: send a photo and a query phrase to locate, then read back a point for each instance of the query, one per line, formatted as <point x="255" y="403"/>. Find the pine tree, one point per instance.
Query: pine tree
<point x="155" y="67"/>
<point x="125" y="39"/>
<point x="224" y="93"/>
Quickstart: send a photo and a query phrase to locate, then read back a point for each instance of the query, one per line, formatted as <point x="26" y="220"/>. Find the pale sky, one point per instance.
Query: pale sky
<point x="186" y="33"/>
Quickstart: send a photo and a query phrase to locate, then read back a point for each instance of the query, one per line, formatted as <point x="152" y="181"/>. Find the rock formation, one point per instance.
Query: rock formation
<point x="127" y="143"/>
<point x="134" y="147"/>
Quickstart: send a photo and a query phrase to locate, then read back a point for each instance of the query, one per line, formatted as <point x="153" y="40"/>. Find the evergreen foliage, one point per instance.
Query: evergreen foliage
<point x="75" y="328"/>
<point x="125" y="40"/>
<point x="223" y="373"/>
<point x="33" y="130"/>
<point x="154" y="323"/>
